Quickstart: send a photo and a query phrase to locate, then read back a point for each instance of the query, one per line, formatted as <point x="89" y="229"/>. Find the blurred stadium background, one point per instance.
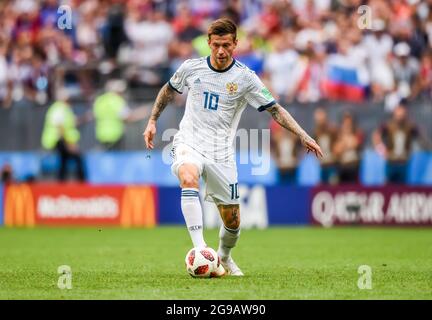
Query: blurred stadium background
<point x="94" y="67"/>
<point x="360" y="84"/>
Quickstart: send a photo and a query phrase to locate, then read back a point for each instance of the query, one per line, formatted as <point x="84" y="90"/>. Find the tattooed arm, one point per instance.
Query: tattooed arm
<point x="284" y="118"/>
<point x="165" y="95"/>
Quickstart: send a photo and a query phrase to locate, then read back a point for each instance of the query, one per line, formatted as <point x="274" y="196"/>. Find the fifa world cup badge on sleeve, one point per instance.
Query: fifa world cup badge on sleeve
<point x="266" y="94"/>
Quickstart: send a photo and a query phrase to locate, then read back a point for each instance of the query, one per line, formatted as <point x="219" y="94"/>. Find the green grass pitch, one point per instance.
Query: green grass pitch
<point x="279" y="263"/>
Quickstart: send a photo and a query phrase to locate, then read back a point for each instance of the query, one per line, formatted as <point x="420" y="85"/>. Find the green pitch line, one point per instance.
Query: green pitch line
<point x="279" y="263"/>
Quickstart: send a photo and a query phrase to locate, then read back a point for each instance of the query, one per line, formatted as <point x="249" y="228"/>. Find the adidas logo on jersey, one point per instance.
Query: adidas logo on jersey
<point x="197" y="80"/>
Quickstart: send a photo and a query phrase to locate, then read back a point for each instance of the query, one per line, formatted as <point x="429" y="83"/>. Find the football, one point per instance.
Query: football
<point x="202" y="262"/>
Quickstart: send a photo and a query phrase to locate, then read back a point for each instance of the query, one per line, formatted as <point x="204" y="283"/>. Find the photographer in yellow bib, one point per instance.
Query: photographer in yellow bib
<point x="111" y="113"/>
<point x="60" y="134"/>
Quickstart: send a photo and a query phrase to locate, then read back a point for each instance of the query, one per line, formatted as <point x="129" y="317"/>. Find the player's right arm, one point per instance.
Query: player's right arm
<point x="165" y="95"/>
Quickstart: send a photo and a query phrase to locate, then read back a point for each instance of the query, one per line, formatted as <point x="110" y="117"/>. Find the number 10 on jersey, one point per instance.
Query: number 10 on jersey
<point x="211" y="100"/>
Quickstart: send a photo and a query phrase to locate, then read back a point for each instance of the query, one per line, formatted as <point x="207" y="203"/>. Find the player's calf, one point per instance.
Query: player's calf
<point x="230" y="215"/>
<point x="229" y="234"/>
<point x="230" y="229"/>
<point x="190" y="203"/>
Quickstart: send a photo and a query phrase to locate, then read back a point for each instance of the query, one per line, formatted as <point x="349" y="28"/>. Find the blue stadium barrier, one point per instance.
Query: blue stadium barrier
<point x="1" y="204"/>
<point x="420" y="169"/>
<point x="25" y="165"/>
<point x="128" y="168"/>
<point x="49" y="163"/>
<point x="260" y="172"/>
<point x="148" y="168"/>
<point x="140" y="167"/>
<point x="309" y="171"/>
<point x="169" y="205"/>
<point x="288" y="204"/>
<point x="372" y="168"/>
<point x="285" y="205"/>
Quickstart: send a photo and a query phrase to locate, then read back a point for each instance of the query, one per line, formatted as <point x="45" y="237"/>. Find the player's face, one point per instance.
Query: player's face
<point x="222" y="48"/>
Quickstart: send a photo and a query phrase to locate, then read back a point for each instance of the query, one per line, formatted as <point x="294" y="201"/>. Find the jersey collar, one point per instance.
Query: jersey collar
<point x="216" y="70"/>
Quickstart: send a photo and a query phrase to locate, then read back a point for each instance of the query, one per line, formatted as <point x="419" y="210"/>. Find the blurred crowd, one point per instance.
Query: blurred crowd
<point x="306" y="50"/>
<point x="394" y="140"/>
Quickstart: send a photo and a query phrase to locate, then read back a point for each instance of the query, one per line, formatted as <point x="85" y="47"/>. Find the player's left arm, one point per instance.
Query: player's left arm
<point x="284" y="118"/>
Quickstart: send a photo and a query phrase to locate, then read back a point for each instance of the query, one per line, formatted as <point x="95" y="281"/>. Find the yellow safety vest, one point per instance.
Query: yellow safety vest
<point x="107" y="112"/>
<point x="53" y="131"/>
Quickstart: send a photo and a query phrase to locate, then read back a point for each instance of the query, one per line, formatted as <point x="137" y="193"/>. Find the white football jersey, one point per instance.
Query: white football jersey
<point x="215" y="102"/>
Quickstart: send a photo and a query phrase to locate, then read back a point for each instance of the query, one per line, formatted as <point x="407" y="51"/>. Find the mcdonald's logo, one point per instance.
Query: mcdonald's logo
<point x="19" y="206"/>
<point x="138" y="207"/>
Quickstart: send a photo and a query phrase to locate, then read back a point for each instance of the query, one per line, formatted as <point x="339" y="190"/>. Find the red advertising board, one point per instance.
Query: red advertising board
<point x="389" y="205"/>
<point x="79" y="204"/>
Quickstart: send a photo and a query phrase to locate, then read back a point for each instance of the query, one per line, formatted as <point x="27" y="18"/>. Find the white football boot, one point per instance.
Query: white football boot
<point x="219" y="272"/>
<point x="230" y="266"/>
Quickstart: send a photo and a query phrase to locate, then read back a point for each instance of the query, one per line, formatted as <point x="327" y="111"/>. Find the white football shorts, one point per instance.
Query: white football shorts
<point x="220" y="179"/>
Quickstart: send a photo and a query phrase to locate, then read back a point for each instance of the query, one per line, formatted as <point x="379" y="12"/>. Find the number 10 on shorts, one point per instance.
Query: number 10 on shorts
<point x="234" y="191"/>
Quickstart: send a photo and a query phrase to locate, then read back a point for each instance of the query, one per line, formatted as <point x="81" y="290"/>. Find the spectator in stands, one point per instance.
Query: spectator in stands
<point x="19" y="72"/>
<point x="279" y="67"/>
<point x="423" y="86"/>
<point x="310" y="73"/>
<point x="405" y="68"/>
<point x="27" y="23"/>
<point x="250" y="57"/>
<point x="285" y="148"/>
<point x="48" y="12"/>
<point x="87" y="35"/>
<point x="378" y="45"/>
<point x="325" y="135"/>
<point x="394" y="140"/>
<point x="347" y="150"/>
<point x="184" y="22"/>
<point x="4" y="79"/>
<point x="60" y="133"/>
<point x="187" y="29"/>
<point x="151" y="36"/>
<point x="37" y="82"/>
<point x="113" y="35"/>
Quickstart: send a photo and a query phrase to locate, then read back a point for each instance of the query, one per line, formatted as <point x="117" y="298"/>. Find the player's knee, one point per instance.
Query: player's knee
<point x="188" y="177"/>
<point x="188" y="180"/>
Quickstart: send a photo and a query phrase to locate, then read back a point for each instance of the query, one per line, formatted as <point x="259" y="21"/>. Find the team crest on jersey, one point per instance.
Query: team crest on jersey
<point x="232" y="88"/>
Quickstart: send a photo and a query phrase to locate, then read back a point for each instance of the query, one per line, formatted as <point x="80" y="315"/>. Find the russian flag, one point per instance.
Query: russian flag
<point x="342" y="81"/>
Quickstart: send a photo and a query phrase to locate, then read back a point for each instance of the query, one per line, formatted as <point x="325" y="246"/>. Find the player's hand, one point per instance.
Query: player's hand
<point x="149" y="134"/>
<point x="311" y="145"/>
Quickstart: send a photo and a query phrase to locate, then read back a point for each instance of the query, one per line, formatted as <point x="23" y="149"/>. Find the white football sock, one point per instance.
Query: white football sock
<point x="227" y="240"/>
<point x="192" y="213"/>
